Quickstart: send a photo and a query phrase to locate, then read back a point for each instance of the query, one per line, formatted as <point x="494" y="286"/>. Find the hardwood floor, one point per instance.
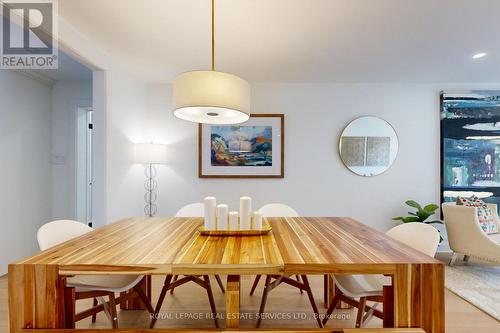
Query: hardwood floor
<point x="188" y="307"/>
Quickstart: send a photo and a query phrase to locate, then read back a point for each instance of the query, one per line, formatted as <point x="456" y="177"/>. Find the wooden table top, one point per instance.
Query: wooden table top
<point x="163" y="245"/>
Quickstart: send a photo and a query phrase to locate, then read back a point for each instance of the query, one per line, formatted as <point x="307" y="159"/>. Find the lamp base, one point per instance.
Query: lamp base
<point x="150" y="184"/>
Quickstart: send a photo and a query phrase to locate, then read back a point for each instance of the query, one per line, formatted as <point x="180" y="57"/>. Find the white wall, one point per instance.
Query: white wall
<point x="67" y="96"/>
<point x="316" y="182"/>
<point x="125" y="122"/>
<point x="25" y="194"/>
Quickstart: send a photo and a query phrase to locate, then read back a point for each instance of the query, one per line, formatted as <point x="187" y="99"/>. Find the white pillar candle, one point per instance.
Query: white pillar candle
<point x="222" y="216"/>
<point x="245" y="212"/>
<point x="233" y="221"/>
<point x="210" y="204"/>
<point x="257" y="221"/>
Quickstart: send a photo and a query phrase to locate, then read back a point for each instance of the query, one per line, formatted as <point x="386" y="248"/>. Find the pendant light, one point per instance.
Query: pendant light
<point x="211" y="97"/>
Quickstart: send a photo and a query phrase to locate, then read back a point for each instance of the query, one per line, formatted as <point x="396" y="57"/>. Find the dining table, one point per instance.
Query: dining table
<point x="414" y="298"/>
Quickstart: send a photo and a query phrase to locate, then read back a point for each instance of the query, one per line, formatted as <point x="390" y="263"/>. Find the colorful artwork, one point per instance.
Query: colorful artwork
<point x="242" y="146"/>
<point x="470" y="138"/>
<point x="254" y="149"/>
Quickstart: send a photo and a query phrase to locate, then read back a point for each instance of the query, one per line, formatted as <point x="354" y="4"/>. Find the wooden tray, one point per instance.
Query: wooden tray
<point x="266" y="228"/>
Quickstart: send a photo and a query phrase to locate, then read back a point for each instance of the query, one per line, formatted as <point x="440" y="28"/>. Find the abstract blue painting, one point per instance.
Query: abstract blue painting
<point x="470" y="145"/>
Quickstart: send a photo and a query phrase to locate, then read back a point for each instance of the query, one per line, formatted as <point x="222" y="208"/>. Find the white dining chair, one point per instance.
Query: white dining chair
<point x="278" y="209"/>
<point x="349" y="288"/>
<point x="192" y="210"/>
<point x="272" y="281"/>
<point x="274" y="210"/>
<point x="172" y="282"/>
<point x="90" y="286"/>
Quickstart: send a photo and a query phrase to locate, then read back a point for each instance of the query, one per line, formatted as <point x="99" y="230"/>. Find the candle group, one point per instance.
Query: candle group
<point x="218" y="217"/>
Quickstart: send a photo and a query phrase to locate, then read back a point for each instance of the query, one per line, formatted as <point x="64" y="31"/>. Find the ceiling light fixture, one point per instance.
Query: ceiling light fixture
<point x="211" y="97"/>
<point x="479" y="55"/>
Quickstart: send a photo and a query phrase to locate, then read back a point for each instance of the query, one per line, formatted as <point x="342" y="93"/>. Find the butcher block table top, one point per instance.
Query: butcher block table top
<point x="164" y="245"/>
<point x="174" y="246"/>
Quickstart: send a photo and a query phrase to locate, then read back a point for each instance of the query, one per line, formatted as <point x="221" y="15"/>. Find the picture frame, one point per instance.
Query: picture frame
<point x="254" y="149"/>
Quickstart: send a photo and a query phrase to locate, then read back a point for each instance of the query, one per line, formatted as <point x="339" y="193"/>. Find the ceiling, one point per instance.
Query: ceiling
<point x="298" y="40"/>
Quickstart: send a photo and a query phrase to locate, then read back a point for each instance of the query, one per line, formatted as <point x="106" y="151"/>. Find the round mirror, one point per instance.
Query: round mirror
<point x="368" y="146"/>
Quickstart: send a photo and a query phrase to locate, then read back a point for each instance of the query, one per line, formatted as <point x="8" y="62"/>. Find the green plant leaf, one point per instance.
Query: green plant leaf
<point x="431" y="208"/>
<point x="410" y="219"/>
<point x="413" y="204"/>
<point x="398" y="218"/>
<point x="423" y="215"/>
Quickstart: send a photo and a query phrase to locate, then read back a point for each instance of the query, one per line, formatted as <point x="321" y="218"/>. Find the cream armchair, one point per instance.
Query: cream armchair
<point x="465" y="235"/>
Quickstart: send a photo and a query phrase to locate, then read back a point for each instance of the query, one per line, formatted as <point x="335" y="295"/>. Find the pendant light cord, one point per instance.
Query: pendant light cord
<point x="213" y="38"/>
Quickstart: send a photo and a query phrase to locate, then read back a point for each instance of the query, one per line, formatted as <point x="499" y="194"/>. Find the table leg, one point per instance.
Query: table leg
<point x="432" y="302"/>
<point x="69" y="307"/>
<point x="36" y="297"/>
<point x="135" y="303"/>
<point x="328" y="290"/>
<point x="233" y="301"/>
<point x="419" y="296"/>
<point x="403" y="296"/>
<point x="388" y="302"/>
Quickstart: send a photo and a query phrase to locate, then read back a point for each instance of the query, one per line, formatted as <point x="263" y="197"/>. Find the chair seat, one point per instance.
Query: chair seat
<point x="111" y="283"/>
<point x="495" y="237"/>
<point x="356" y="286"/>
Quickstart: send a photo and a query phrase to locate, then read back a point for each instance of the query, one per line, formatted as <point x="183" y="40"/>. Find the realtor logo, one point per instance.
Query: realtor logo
<point x="29" y="34"/>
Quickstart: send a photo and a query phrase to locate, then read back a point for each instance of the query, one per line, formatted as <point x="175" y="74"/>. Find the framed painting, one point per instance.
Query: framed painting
<point x="254" y="149"/>
<point x="470" y="145"/>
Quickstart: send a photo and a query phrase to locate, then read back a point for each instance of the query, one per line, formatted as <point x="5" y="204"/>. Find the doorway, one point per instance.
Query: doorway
<point x="84" y="174"/>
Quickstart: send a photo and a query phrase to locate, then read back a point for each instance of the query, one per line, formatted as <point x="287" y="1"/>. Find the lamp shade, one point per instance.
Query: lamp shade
<point x="211" y="97"/>
<point x="150" y="153"/>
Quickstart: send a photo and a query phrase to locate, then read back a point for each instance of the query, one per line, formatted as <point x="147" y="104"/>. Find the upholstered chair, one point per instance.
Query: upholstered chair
<point x="465" y="235"/>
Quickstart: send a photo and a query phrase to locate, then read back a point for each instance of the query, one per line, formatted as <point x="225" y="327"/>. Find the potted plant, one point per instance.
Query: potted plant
<point x="421" y="214"/>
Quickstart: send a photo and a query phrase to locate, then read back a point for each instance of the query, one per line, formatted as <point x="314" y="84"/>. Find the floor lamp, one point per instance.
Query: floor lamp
<point x="150" y="154"/>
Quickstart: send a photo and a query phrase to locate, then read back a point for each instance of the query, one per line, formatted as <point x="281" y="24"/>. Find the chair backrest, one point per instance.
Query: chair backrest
<point x="56" y="232"/>
<point x="191" y="210"/>
<point x="462" y="226"/>
<point x="420" y="236"/>
<point x="277" y="209"/>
